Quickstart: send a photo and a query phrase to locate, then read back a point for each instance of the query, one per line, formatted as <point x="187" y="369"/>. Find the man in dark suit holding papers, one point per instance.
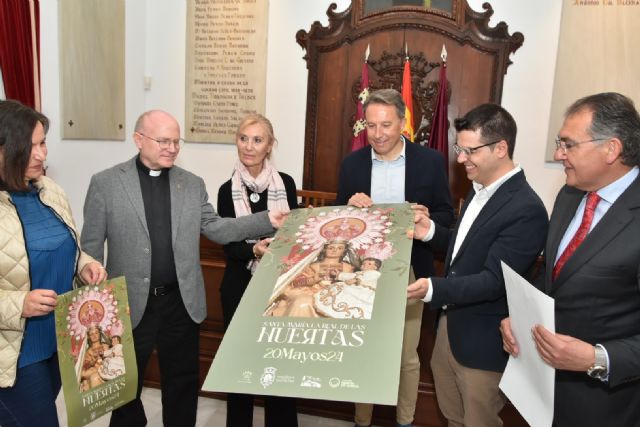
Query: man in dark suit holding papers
<point x="592" y="257"/>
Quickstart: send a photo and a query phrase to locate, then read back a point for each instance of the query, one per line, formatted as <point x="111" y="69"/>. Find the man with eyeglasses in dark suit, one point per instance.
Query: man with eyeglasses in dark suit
<point x="592" y="258"/>
<point x="502" y="219"/>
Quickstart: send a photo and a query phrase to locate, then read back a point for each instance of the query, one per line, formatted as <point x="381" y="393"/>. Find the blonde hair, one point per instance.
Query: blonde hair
<point x="256" y="118"/>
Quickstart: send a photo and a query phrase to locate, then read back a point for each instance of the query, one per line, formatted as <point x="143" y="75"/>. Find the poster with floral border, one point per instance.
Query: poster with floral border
<point x="95" y="350"/>
<point x="323" y="315"/>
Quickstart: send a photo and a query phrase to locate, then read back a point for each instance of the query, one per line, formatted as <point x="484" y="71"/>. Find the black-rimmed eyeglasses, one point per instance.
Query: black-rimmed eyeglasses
<point x="165" y="143"/>
<point x="470" y="150"/>
<point x="566" y="144"/>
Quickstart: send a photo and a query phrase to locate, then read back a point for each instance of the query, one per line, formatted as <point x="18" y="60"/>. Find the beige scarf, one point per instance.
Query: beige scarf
<point x="270" y="179"/>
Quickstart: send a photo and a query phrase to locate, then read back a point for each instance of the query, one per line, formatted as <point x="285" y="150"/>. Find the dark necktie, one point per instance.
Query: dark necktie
<point x="581" y="234"/>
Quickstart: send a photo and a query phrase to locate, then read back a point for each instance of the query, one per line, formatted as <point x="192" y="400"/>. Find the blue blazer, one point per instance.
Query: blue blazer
<point x="511" y="227"/>
<point x="425" y="183"/>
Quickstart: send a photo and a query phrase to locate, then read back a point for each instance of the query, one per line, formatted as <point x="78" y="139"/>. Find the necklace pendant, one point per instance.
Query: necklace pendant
<point x="254" y="197"/>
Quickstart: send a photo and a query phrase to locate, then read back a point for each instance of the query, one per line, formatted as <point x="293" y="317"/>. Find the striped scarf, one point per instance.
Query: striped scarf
<point x="241" y="180"/>
<point x="270" y="179"/>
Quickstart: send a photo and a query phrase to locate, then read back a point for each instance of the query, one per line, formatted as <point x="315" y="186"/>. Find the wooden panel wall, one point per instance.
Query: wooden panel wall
<point x="92" y="69"/>
<point x="478" y="56"/>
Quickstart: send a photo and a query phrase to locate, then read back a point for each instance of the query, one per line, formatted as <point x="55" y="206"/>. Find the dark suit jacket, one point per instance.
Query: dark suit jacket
<point x="425" y="183"/>
<point x="597" y="297"/>
<point x="511" y="227"/>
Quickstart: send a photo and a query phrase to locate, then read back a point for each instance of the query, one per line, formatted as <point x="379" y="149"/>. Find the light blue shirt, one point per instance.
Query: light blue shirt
<point x="608" y="195"/>
<point x="387" y="178"/>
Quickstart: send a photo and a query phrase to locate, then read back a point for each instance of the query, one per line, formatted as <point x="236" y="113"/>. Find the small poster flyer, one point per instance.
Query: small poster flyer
<point x="95" y="350"/>
<point x="323" y="315"/>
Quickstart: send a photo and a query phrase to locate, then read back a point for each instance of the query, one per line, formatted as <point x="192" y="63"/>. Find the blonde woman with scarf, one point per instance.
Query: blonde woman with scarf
<point x="255" y="186"/>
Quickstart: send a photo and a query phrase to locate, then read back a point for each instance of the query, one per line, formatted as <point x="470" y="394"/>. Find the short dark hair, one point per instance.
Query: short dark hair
<point x="17" y="122"/>
<point x="386" y="97"/>
<point x="613" y="116"/>
<point x="494" y="122"/>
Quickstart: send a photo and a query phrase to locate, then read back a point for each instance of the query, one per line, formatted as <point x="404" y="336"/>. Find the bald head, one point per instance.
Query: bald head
<point x="152" y="118"/>
<point x="157" y="136"/>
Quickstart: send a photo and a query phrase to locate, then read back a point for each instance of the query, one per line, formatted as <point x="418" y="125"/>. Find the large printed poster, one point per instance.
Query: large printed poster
<point x="95" y="350"/>
<point x="323" y="315"/>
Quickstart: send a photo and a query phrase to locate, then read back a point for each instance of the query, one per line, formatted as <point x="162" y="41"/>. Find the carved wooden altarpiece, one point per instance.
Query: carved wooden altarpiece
<point x="478" y="57"/>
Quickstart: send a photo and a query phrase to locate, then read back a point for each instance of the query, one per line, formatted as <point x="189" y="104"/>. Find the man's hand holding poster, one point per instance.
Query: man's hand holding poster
<point x="95" y="350"/>
<point x="324" y="313"/>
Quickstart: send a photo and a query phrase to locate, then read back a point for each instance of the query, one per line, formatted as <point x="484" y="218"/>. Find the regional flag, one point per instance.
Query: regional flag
<point x="439" y="135"/>
<point x="359" y="139"/>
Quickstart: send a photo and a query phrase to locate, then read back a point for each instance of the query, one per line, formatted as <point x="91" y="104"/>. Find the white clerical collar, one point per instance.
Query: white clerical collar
<point x="144" y="168"/>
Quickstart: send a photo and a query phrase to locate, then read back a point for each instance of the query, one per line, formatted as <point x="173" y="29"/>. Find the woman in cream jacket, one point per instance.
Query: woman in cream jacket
<point x="39" y="258"/>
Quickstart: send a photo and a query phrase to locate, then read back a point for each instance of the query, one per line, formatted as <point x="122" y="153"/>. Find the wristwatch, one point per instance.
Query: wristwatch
<point x="599" y="370"/>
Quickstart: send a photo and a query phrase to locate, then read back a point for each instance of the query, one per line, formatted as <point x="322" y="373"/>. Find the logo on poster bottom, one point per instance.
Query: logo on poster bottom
<point x="246" y="377"/>
<point x="309" y="381"/>
<point x="334" y="382"/>
<point x="268" y="376"/>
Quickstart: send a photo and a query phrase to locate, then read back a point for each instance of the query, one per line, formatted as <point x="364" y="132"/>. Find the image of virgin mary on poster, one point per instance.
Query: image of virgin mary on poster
<point x="95" y="350"/>
<point x="96" y="329"/>
<point x="333" y="269"/>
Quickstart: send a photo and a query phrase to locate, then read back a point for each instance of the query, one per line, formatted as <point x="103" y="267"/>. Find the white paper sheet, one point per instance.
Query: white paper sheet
<point x="528" y="381"/>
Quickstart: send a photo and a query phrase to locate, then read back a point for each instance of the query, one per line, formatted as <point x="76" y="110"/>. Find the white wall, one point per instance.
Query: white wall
<point x="71" y="162"/>
<point x="528" y="86"/>
<point x="155" y="34"/>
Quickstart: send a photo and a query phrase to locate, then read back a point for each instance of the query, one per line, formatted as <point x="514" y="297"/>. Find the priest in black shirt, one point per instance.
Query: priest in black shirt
<point x="151" y="214"/>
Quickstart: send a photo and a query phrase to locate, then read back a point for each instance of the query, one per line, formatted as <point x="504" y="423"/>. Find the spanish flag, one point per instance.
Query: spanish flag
<point x="408" y="130"/>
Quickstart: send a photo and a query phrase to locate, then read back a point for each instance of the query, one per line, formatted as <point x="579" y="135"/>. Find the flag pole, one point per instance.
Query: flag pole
<point x="439" y="134"/>
<point x="359" y="138"/>
<point x="407" y="97"/>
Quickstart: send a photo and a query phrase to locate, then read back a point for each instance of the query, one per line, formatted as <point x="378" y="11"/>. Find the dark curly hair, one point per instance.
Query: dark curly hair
<point x="495" y="124"/>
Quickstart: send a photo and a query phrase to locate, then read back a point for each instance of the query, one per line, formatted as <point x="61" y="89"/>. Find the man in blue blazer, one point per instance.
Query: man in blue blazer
<point x="151" y="214"/>
<point x="502" y="219"/>
<point x="392" y="170"/>
<point x="595" y="283"/>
